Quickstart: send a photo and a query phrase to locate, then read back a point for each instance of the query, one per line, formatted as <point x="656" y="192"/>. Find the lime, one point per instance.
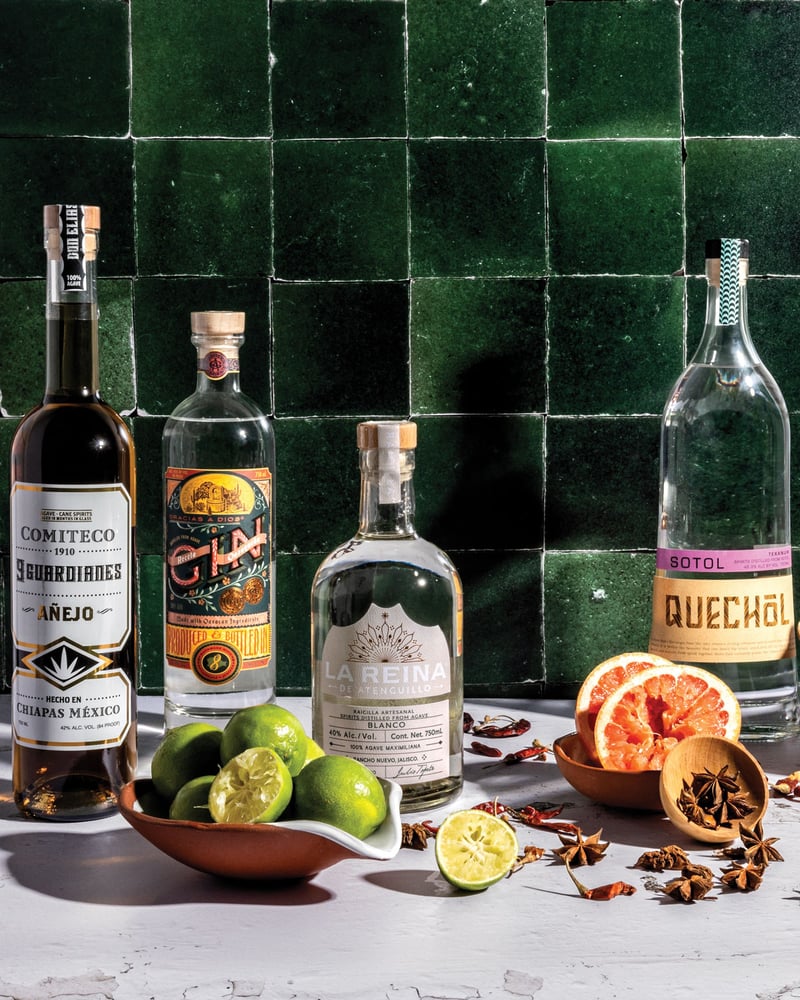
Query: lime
<point x="340" y="791"/>
<point x="253" y="787"/>
<point x="266" y="726"/>
<point x="475" y="849"/>
<point x="191" y="802"/>
<point x="313" y="750"/>
<point x="151" y="802"/>
<point x="186" y="752"/>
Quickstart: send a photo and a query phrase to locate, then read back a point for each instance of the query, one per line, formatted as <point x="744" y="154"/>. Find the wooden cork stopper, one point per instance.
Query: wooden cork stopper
<point x="91" y="216"/>
<point x="213" y="322"/>
<point x="374" y="433"/>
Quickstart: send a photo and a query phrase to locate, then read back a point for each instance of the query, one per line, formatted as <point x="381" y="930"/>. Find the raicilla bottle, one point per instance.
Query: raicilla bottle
<point x="219" y="575"/>
<point x="73" y="494"/>
<point x="723" y="595"/>
<point x="386" y="635"/>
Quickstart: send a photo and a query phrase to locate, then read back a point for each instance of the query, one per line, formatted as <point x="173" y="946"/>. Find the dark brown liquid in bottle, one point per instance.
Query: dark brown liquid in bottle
<point x="74" y="438"/>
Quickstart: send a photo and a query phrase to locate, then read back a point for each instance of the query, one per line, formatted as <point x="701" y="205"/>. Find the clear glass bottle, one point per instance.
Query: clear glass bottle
<point x="723" y="594"/>
<point x="386" y="635"/>
<point x="218" y="454"/>
<point x="73" y="594"/>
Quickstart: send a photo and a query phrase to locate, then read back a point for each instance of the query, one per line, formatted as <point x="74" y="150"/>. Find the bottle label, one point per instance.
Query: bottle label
<point x="72" y="569"/>
<point x="72" y="255"/>
<point x="216" y="364"/>
<point x="218" y="565"/>
<point x="385" y="683"/>
<point x="723" y="621"/>
<point x="765" y="559"/>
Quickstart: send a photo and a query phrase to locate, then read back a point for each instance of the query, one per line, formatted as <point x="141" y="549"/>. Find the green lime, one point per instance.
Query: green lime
<point x="151" y="802"/>
<point x="340" y="791"/>
<point x="191" y="802"/>
<point x="186" y="752"/>
<point x="266" y="726"/>
<point x="313" y="750"/>
<point x="253" y="787"/>
<point x="475" y="849"/>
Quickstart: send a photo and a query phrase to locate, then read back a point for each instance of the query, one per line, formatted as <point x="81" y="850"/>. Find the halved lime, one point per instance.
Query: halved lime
<point x="253" y="787"/>
<point x="475" y="849"/>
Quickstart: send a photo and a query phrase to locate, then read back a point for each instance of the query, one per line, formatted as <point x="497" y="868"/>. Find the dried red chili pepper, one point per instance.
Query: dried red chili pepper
<point x="608" y="891"/>
<point x="537" y="751"/>
<point x="485" y="751"/>
<point x="539" y="818"/>
<point x="468" y="722"/>
<point x="491" y="730"/>
<point x="494" y="807"/>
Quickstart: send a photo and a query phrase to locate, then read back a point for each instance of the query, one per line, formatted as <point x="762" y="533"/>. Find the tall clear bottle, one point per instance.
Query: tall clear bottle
<point x="218" y="454"/>
<point x="73" y="594"/>
<point x="723" y="595"/>
<point x="386" y="635"/>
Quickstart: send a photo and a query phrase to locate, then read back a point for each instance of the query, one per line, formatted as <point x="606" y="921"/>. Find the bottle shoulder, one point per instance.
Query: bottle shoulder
<point x="408" y="553"/>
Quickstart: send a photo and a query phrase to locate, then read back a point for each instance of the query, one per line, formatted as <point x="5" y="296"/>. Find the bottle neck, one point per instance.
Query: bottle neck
<point x="387" y="493"/>
<point x="217" y="365"/>
<point x="72" y="368"/>
<point x="726" y="337"/>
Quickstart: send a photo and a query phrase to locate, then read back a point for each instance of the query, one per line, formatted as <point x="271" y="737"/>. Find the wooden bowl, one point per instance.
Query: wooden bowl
<point x="291" y="849"/>
<point x="624" y="789"/>
<point x="696" y="754"/>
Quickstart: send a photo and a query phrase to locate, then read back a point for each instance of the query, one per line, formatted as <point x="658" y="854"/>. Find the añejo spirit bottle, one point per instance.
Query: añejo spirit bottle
<point x="218" y="454"/>
<point x="386" y="635"/>
<point x="73" y="493"/>
<point x="723" y="594"/>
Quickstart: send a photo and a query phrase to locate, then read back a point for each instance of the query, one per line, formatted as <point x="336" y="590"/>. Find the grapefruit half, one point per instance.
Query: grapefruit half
<point x="603" y="680"/>
<point x="654" y="709"/>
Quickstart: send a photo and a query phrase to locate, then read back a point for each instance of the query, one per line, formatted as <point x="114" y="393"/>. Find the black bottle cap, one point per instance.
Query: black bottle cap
<point x="714" y="249"/>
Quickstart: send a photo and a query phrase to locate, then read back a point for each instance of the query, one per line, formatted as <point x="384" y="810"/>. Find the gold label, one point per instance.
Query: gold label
<point x="723" y="621"/>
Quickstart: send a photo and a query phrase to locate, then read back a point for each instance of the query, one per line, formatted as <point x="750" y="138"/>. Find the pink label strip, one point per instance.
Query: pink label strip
<point x="724" y="560"/>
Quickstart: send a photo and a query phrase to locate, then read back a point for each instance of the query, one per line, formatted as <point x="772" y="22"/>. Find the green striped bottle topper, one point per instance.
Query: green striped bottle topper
<point x="731" y="252"/>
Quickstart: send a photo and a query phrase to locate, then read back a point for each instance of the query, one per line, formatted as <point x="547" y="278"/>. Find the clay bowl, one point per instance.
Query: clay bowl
<point x="624" y="789"/>
<point x="694" y="755"/>
<point x="291" y="849"/>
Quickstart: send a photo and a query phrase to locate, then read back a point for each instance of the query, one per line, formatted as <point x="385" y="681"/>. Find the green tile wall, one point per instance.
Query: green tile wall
<point x="488" y="215"/>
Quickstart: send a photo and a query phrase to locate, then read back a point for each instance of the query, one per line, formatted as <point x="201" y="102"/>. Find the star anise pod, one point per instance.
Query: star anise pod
<point x="415" y="836"/>
<point x="745" y="878"/>
<point x="530" y="853"/>
<point x="690" y="806"/>
<point x="714" y="787"/>
<point x="665" y="858"/>
<point x="694" y="882"/>
<point x="581" y="851"/>
<point x="757" y="850"/>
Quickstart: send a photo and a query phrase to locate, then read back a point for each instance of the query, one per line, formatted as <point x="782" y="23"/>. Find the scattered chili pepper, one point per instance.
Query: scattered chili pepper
<point x="492" y="806"/>
<point x="483" y="750"/>
<point x="539" y="818"/>
<point x="789" y="786"/>
<point x="601" y="891"/>
<point x="490" y="729"/>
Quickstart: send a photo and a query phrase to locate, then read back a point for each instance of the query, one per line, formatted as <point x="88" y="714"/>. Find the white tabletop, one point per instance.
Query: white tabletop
<point x="92" y="910"/>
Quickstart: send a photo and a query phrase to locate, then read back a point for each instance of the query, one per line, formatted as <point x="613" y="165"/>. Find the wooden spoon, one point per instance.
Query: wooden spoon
<point x="698" y="754"/>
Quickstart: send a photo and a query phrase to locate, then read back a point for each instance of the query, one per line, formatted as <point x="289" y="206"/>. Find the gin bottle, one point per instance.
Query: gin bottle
<point x="386" y="635"/>
<point x="73" y="494"/>
<point x="218" y="454"/>
<point x="723" y="595"/>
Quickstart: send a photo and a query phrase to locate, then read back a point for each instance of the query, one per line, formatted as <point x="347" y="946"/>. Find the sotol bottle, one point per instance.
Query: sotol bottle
<point x="723" y="594"/>
<point x="219" y="579"/>
<point x="73" y="497"/>
<point x="386" y="609"/>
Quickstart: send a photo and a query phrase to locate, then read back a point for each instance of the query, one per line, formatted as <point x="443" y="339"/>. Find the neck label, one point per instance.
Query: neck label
<point x="72" y="253"/>
<point x="729" y="280"/>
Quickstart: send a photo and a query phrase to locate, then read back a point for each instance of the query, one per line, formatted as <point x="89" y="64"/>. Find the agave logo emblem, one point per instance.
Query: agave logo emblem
<point x="64" y="664"/>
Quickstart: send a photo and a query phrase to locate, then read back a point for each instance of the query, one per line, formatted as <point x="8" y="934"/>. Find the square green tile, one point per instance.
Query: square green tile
<point x="748" y="188"/>
<point x="615" y="207"/>
<point x="602" y="482"/>
<point x="479" y="482"/>
<point x="503" y="654"/>
<point x="166" y="359"/>
<point x="200" y="69"/>
<point x="341" y="348"/>
<point x="151" y="624"/>
<point x="317" y="484"/>
<point x="23" y="334"/>
<point x="751" y="86"/>
<point x="477" y="207"/>
<point x="338" y="70"/>
<point x="340" y="210"/>
<point x="613" y="70"/>
<point x="465" y="79"/>
<point x="147" y="432"/>
<point x="64" y="68"/>
<point x="616" y="344"/>
<point x="478" y="346"/>
<point x="203" y="207"/>
<point x="40" y="171"/>
<point x="596" y="604"/>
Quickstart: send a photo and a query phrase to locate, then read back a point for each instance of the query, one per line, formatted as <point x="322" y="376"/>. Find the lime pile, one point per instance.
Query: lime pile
<point x="261" y="767"/>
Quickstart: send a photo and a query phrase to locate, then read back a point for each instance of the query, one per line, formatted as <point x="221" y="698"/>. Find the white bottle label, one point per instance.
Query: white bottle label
<point x="71" y="572"/>
<point x="385" y="683"/>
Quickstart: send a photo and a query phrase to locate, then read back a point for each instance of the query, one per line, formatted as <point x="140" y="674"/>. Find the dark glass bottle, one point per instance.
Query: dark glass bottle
<point x="73" y="494"/>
